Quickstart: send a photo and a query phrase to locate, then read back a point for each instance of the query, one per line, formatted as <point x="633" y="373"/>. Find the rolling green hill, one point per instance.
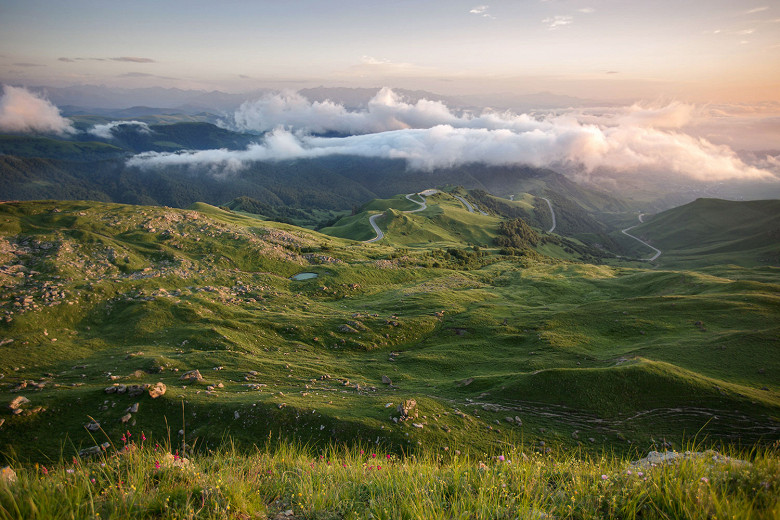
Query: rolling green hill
<point x="96" y="295"/>
<point x="714" y="231"/>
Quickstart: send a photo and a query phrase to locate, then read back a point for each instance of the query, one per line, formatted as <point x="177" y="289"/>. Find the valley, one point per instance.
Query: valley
<point x="492" y="345"/>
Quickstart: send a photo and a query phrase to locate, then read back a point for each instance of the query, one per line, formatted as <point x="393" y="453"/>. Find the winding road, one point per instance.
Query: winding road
<point x="469" y="206"/>
<point x="626" y="232"/>
<point x="549" y="204"/>
<point x="379" y="234"/>
<point x="372" y="219"/>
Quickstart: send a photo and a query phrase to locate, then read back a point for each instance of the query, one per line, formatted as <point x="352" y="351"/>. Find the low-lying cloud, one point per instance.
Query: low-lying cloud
<point x="106" y="131"/>
<point x="22" y="111"/>
<point x="429" y="135"/>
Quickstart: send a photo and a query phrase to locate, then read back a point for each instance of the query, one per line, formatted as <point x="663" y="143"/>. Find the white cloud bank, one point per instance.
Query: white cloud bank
<point x="22" y="111"/>
<point x="428" y="135"/>
<point x="106" y="131"/>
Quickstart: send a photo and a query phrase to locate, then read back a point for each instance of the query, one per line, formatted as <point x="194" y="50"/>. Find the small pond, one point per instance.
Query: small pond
<point x="304" y="276"/>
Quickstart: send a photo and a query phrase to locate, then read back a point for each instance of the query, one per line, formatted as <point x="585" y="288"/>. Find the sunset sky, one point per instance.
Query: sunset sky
<point x="700" y="50"/>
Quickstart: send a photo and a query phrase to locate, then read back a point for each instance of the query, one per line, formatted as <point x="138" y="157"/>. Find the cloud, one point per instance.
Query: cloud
<point x="142" y="75"/>
<point x="25" y="112"/>
<point x="106" y="131"/>
<point x="556" y="22"/>
<point x="25" y="64"/>
<point x="428" y="135"/>
<point x="134" y="59"/>
<point x="587" y="10"/>
<point x="757" y="9"/>
<point x="67" y="60"/>
<point x="480" y="9"/>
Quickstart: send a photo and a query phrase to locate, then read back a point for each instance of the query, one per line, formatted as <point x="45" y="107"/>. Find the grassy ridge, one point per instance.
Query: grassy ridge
<point x="713" y="231"/>
<point x="99" y="294"/>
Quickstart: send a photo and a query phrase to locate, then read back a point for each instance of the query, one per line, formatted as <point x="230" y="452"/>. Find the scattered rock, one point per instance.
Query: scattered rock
<point x="417" y="425"/>
<point x="157" y="390"/>
<point x="192" y="375"/>
<point x="135" y="390"/>
<point x="133" y="408"/>
<point x="386" y="380"/>
<point x="7" y="475"/>
<point x="94" y="450"/>
<point x="16" y="404"/>
<point x="518" y="420"/>
<point x="92" y="426"/>
<point x="125" y="418"/>
<point x="407" y="409"/>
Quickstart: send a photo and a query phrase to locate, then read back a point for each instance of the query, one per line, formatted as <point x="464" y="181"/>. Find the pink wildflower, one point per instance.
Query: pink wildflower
<point x="45" y="471"/>
<point x="362" y="452"/>
<point x="157" y="464"/>
<point x="501" y="458"/>
<point x="92" y="480"/>
<point x="604" y="477"/>
<point x="388" y="456"/>
<point x="143" y="437"/>
<point x="705" y="480"/>
<point x="373" y="455"/>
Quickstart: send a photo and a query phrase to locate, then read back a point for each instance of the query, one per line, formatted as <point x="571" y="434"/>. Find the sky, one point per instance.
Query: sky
<point x="700" y="51"/>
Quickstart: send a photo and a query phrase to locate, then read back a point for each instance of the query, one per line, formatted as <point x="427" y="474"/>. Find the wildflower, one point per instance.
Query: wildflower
<point x="44" y="470"/>
<point x="157" y="464"/>
<point x="344" y="465"/>
<point x="604" y="477"/>
<point x="124" y="439"/>
<point x="92" y="480"/>
<point x="628" y="472"/>
<point x="640" y="474"/>
<point x="501" y="458"/>
<point x="388" y="456"/>
<point x="70" y="470"/>
<point x="143" y="437"/>
<point x="379" y="467"/>
<point x="362" y="452"/>
<point x="705" y="480"/>
<point x="373" y="455"/>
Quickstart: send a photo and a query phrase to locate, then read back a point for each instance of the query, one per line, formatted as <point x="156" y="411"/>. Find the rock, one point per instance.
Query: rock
<point x="518" y="420"/>
<point x="7" y="475"/>
<point x="91" y="451"/>
<point x="110" y="389"/>
<point x="17" y="403"/>
<point x="92" y="426"/>
<point x="135" y="390"/>
<point x="509" y="419"/>
<point x="407" y="408"/>
<point x="386" y="380"/>
<point x="192" y="375"/>
<point x="157" y="390"/>
<point x="417" y="425"/>
<point x="236" y="415"/>
<point x="121" y="389"/>
<point x="133" y="408"/>
<point x="125" y="418"/>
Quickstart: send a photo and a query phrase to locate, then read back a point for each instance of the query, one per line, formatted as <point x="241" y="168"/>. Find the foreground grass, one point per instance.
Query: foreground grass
<point x="146" y="480"/>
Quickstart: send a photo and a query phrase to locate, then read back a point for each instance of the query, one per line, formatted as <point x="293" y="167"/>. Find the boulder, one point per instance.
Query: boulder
<point x="135" y="390"/>
<point x="92" y="426"/>
<point x="386" y="380"/>
<point x="157" y="390"/>
<point x="125" y="418"/>
<point x="192" y="375"/>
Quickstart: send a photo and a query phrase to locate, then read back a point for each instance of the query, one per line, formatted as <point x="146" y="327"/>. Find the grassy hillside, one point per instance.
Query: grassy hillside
<point x="95" y="295"/>
<point x="714" y="231"/>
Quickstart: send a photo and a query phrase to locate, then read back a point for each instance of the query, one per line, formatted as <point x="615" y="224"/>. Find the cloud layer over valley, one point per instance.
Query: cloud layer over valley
<point x="429" y="135"/>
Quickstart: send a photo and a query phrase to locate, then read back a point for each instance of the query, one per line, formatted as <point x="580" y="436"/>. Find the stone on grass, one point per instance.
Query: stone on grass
<point x="157" y="390"/>
<point x="192" y="375"/>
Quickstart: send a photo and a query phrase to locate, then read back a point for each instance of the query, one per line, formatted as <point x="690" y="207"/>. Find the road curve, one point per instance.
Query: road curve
<point x="549" y="204"/>
<point x="422" y="204"/>
<point x="372" y="218"/>
<point x="657" y="251"/>
<point x="379" y="234"/>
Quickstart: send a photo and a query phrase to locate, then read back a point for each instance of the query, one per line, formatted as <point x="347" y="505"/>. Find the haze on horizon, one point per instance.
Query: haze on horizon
<point x="699" y="51"/>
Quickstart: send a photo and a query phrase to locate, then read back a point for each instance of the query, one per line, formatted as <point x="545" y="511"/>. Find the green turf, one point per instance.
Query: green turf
<point x="577" y="351"/>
